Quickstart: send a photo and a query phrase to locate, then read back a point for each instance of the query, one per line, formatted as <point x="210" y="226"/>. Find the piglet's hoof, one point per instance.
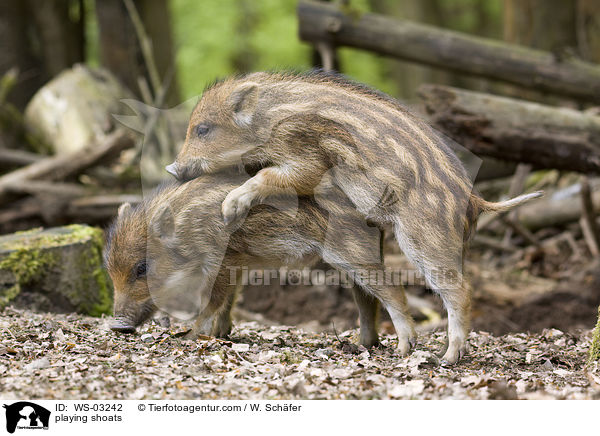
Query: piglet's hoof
<point x="122" y="326"/>
<point x="236" y="205"/>
<point x="452" y="357"/>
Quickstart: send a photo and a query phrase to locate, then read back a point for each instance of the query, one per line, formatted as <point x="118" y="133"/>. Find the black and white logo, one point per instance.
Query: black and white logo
<point x="26" y="415"/>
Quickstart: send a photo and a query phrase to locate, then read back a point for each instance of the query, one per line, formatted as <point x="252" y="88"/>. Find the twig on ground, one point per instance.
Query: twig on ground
<point x="493" y="243"/>
<point x="588" y="224"/>
<point x="517" y="185"/>
<point x="521" y="230"/>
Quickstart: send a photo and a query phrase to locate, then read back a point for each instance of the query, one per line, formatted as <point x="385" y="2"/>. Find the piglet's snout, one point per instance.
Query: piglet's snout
<point x="172" y="169"/>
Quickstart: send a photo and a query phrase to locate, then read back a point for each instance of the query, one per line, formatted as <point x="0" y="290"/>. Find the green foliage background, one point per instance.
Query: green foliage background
<point x="207" y="38"/>
<point x="209" y="34"/>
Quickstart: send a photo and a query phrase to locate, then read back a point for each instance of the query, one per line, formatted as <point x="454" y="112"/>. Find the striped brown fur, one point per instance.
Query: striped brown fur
<point x="394" y="167"/>
<point x="179" y="234"/>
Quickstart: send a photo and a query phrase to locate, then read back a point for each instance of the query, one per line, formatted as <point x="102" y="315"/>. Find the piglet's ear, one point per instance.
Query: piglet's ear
<point x="163" y="223"/>
<point x="124" y="208"/>
<point x="243" y="102"/>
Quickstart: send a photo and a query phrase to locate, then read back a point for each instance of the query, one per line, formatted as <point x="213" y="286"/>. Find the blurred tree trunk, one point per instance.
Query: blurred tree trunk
<point x="61" y="31"/>
<point x="16" y="51"/>
<point x="564" y="27"/>
<point x="40" y="38"/>
<point x="440" y="13"/>
<point x="409" y="76"/>
<point x="543" y="24"/>
<point x="156" y="17"/>
<point x="120" y="50"/>
<point x="588" y="29"/>
<point x="244" y="57"/>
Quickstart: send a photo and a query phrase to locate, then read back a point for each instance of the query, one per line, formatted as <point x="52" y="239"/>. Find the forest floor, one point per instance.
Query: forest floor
<point x="53" y="356"/>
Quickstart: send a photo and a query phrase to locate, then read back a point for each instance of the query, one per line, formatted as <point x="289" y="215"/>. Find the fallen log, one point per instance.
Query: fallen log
<point x="20" y="210"/>
<point x="62" y="167"/>
<point x="10" y="158"/>
<point x="589" y="227"/>
<point x="48" y="189"/>
<point x="339" y="26"/>
<point x="492" y="169"/>
<point x="558" y="208"/>
<point x="58" y="208"/>
<point x="99" y="208"/>
<point x="516" y="130"/>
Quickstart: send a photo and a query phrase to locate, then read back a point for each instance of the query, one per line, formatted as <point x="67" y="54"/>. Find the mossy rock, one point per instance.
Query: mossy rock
<point x="57" y="270"/>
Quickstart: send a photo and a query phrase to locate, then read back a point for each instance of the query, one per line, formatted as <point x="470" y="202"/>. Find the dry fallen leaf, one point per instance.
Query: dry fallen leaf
<point x="278" y="362"/>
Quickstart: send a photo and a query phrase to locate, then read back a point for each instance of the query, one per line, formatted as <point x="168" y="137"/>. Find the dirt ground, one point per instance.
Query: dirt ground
<point x="502" y="303"/>
<point x="71" y="356"/>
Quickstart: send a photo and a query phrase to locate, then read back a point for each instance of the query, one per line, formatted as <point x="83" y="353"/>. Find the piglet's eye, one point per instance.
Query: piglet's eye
<point x="140" y="269"/>
<point x="201" y="129"/>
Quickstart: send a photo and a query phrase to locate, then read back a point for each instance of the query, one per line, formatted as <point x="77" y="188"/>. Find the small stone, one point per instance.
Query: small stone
<point x="409" y="389"/>
<point x="500" y="390"/>
<point x="341" y="373"/>
<point x="268" y="336"/>
<point x="303" y="365"/>
<point x="552" y="333"/>
<point x="547" y="365"/>
<point x="37" y="364"/>
<point x="240" y="347"/>
<point x="215" y="359"/>
<point x="147" y="337"/>
<point x="299" y="389"/>
<point x="164" y="321"/>
<point x="324" y="353"/>
<point x="350" y="348"/>
<point x="59" y="335"/>
<point x="48" y="325"/>
<point x="265" y="356"/>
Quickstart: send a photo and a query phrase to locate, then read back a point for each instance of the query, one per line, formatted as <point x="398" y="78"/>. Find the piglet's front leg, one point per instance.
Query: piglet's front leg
<point x="203" y="326"/>
<point x="267" y="182"/>
<point x="239" y="201"/>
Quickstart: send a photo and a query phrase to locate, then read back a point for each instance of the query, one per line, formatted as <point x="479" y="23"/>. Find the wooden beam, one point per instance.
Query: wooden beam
<point x="455" y="51"/>
<point x="516" y="130"/>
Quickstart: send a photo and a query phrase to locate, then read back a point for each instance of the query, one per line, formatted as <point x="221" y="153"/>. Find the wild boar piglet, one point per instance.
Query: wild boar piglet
<point x="174" y="252"/>
<point x="396" y="169"/>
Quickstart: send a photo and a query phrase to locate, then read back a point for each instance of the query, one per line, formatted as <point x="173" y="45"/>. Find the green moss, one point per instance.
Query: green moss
<point x="8" y="294"/>
<point x="93" y="265"/>
<point x="92" y="270"/>
<point x="68" y="235"/>
<point x="354" y="11"/>
<point x="595" y="350"/>
<point x="26" y="264"/>
<point x="33" y="256"/>
<point x="290" y="358"/>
